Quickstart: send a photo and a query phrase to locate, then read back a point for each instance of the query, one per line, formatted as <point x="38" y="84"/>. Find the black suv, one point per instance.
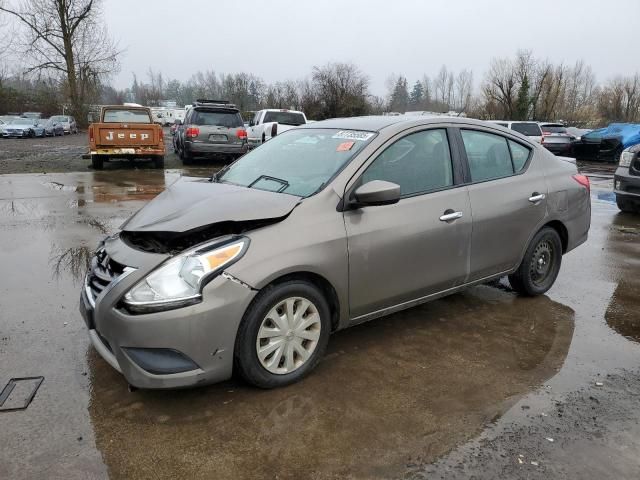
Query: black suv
<point x="626" y="181"/>
<point x="211" y="128"/>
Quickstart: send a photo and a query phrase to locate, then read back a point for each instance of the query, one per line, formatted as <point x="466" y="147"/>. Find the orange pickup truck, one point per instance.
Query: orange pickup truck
<point x="125" y="132"/>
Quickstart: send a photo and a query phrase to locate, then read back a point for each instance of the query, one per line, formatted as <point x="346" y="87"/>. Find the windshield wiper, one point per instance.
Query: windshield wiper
<point x="284" y="183"/>
<point x="215" y="178"/>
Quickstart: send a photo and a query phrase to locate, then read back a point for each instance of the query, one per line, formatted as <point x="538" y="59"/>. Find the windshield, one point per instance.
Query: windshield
<point x="285" y="118"/>
<point x="298" y="162"/>
<point x="23" y="121"/>
<point x="528" y="129"/>
<point x="126" y="116"/>
<point x="217" y="119"/>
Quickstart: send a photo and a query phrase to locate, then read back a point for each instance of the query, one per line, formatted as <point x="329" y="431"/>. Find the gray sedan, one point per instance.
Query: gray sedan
<point x="324" y="227"/>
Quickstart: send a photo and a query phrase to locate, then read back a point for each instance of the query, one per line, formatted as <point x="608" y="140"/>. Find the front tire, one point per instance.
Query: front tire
<point x="283" y="334"/>
<point x="540" y="265"/>
<point x="625" y="205"/>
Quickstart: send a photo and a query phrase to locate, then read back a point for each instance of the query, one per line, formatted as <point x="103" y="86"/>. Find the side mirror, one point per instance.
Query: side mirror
<point x="376" y="192"/>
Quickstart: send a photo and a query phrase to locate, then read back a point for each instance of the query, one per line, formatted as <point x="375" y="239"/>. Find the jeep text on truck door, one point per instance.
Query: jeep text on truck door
<point x="125" y="132"/>
<point x="266" y="124"/>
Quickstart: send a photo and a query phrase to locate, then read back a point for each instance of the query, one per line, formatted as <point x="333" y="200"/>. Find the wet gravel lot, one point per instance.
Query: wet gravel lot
<point x="481" y="384"/>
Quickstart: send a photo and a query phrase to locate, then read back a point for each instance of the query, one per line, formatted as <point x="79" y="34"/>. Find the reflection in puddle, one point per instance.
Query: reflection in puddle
<point x="74" y="260"/>
<point x="623" y="313"/>
<point x="404" y="387"/>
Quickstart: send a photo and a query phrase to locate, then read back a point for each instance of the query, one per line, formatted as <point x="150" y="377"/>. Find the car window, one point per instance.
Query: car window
<point x="594" y="135"/>
<point x="285" y="118"/>
<point x="218" y="119"/>
<point x="528" y="129"/>
<point x="126" y="116"/>
<point x="488" y="155"/>
<point x="519" y="155"/>
<point x="419" y="162"/>
<point x="553" y="129"/>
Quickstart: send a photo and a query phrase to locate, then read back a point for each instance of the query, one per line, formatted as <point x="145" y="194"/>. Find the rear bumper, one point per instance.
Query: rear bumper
<point x="558" y="148"/>
<point x="214" y="148"/>
<point x="128" y="151"/>
<point x="626" y="185"/>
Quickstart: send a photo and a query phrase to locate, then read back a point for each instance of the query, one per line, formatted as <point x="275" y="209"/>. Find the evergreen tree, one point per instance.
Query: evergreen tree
<point x="417" y="96"/>
<point x="522" y="102"/>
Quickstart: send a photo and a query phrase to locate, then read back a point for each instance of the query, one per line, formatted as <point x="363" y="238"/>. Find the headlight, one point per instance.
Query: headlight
<point x="179" y="281"/>
<point x="625" y="158"/>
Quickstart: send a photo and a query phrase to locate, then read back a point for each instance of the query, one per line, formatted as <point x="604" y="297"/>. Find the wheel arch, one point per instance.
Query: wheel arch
<point x="318" y="281"/>
<point x="562" y="231"/>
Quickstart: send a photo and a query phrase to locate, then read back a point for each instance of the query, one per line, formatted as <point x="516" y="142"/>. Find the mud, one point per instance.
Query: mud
<point x="458" y="388"/>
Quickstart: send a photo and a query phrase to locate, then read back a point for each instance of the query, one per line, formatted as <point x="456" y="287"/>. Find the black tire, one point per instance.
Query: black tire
<point x="246" y="357"/>
<point x="158" y="162"/>
<point x="97" y="162"/>
<point x="540" y="265"/>
<point x="185" y="156"/>
<point x="625" y="205"/>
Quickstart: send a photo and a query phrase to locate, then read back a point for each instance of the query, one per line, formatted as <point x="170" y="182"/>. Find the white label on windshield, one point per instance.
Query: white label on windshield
<point x="353" y="135"/>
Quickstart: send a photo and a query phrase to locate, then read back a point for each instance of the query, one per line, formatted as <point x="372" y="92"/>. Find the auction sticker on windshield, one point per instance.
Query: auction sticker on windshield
<point x="354" y="135"/>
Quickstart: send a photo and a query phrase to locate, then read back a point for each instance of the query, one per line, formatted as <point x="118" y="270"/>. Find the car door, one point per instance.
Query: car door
<point x="508" y="194"/>
<point x="418" y="246"/>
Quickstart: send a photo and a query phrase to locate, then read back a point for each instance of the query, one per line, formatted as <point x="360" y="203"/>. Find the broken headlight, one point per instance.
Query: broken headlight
<point x="179" y="281"/>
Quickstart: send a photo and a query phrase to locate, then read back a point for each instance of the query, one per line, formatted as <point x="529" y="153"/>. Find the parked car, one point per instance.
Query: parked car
<point x="36" y="115"/>
<point x="52" y="128"/>
<point x="68" y="123"/>
<point x="176" y="123"/>
<point x="125" y="132"/>
<point x="529" y="129"/>
<point x="606" y="144"/>
<point x="270" y="122"/>
<point x="211" y="128"/>
<point x="321" y="228"/>
<point x="22" y="128"/>
<point x="626" y="181"/>
<point x="556" y="139"/>
<point x="577" y="133"/>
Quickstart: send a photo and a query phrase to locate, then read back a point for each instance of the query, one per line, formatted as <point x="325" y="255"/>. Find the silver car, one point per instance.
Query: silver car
<point x="326" y="226"/>
<point x="68" y="123"/>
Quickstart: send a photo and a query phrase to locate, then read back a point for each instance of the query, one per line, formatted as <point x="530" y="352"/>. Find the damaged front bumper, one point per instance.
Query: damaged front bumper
<point x="182" y="347"/>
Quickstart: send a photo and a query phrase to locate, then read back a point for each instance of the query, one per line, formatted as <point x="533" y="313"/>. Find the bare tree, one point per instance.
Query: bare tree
<point x="501" y="86"/>
<point x="66" y="37"/>
<point x="464" y="90"/>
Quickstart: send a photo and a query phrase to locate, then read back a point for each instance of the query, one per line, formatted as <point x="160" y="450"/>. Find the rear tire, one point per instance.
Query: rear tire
<point x="296" y="356"/>
<point x="625" y="205"/>
<point x="97" y="162"/>
<point x="540" y="265"/>
<point x="158" y="162"/>
<point x="185" y="156"/>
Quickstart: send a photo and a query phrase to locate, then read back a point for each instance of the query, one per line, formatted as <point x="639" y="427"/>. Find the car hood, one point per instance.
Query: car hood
<point x="190" y="204"/>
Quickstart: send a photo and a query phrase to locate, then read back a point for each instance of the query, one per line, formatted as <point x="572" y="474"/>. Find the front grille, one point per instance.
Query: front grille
<point x="102" y="271"/>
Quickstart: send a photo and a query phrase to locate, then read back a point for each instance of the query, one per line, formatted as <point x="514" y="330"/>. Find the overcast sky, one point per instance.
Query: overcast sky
<point x="284" y="39"/>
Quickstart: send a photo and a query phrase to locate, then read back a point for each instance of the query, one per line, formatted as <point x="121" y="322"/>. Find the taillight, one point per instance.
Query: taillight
<point x="583" y="180"/>
<point x="91" y="134"/>
<point x="192" y="132"/>
<point x="274" y="129"/>
<point x="242" y="134"/>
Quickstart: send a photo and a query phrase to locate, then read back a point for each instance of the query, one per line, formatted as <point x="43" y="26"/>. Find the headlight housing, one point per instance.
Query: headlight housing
<point x="179" y="281"/>
<point x="625" y="158"/>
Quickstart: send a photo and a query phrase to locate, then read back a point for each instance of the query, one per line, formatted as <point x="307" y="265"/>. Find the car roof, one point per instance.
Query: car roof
<point x="376" y="123"/>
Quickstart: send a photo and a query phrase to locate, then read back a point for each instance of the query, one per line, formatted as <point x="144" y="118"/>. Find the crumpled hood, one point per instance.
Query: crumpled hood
<point x="191" y="204"/>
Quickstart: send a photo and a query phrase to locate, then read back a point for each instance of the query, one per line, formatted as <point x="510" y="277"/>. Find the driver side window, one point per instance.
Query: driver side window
<point x="419" y="163"/>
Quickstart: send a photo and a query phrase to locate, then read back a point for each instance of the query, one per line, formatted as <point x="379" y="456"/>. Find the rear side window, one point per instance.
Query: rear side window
<point x="490" y="156"/>
<point x="217" y="119"/>
<point x="419" y="163"/>
<point x="519" y="155"/>
<point x="528" y="129"/>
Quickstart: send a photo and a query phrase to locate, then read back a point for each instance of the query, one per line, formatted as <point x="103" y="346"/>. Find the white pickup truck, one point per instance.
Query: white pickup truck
<point x="267" y="123"/>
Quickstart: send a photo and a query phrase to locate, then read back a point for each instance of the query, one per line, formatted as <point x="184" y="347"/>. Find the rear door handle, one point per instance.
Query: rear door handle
<point x="536" y="197"/>
<point x="450" y="215"/>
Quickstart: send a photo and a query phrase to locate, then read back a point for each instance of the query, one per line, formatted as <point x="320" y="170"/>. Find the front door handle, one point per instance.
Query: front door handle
<point x="536" y="197"/>
<point x="450" y="215"/>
